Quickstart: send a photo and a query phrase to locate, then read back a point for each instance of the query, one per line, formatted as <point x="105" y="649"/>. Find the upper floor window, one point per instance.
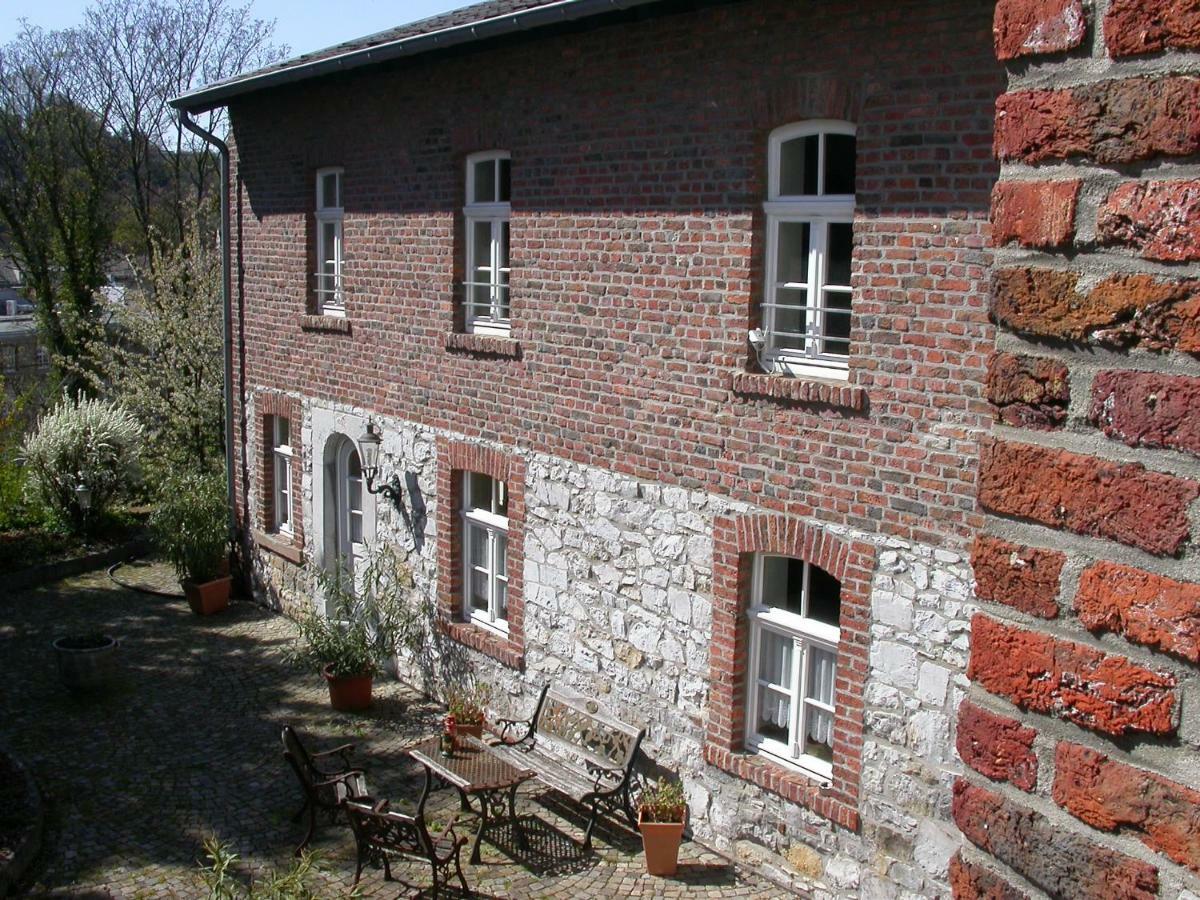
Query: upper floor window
<point x="795" y="612"/>
<point x="485" y="550"/>
<point x="329" y="215"/>
<point x="281" y="461"/>
<point x="487" y="213"/>
<point x="810" y="238"/>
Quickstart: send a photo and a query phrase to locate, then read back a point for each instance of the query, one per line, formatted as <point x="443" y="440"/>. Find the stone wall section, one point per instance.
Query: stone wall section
<point x="1081" y="731"/>
<point x="618" y="584"/>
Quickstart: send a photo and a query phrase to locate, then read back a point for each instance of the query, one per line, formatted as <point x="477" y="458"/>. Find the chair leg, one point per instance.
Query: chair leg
<point x="358" y="868"/>
<point x="312" y="823"/>
<point x="462" y="879"/>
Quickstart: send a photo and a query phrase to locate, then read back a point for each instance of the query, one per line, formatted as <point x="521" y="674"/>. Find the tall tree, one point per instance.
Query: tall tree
<point x="144" y="52"/>
<point x="57" y="184"/>
<point x="94" y="163"/>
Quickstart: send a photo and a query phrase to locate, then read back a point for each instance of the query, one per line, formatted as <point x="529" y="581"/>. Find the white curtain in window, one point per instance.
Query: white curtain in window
<point x="821" y="670"/>
<point x="775" y="709"/>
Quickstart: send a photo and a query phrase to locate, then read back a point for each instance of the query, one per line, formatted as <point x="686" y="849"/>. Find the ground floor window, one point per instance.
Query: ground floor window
<point x="794" y="615"/>
<point x="485" y="549"/>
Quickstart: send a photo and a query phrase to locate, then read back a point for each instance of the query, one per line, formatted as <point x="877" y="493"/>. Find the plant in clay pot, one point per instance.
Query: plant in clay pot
<point x="468" y="705"/>
<point x="191" y="527"/>
<point x="662" y="810"/>
<point x="368" y="615"/>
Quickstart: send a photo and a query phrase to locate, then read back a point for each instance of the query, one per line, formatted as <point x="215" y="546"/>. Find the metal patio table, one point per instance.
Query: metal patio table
<point x="475" y="771"/>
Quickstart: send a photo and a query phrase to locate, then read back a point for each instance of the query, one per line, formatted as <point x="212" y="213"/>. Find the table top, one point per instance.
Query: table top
<point x="472" y="767"/>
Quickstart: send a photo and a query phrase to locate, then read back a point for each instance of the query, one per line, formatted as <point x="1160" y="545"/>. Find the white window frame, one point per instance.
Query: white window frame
<point x="281" y="459"/>
<point x="495" y="526"/>
<point x="805" y="633"/>
<point x="818" y="211"/>
<point x="350" y="550"/>
<point x="498" y="214"/>
<point x="330" y="298"/>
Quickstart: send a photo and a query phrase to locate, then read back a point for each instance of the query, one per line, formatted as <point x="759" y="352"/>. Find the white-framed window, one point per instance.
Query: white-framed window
<point x="281" y="460"/>
<point x="350" y="503"/>
<point x="794" y="614"/>
<point x="329" y="216"/>
<point x="487" y="214"/>
<point x="810" y="240"/>
<point x="485" y="550"/>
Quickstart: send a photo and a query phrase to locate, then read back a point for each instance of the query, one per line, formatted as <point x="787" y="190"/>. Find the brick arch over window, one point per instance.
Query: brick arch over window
<point x="813" y="96"/>
<point x="454" y="458"/>
<point x="736" y="539"/>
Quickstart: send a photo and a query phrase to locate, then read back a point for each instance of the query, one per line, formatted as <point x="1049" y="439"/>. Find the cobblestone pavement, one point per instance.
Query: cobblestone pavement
<point x="187" y="745"/>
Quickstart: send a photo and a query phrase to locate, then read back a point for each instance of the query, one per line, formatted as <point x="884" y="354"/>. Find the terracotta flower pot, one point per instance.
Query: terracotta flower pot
<point x="350" y="693"/>
<point x="209" y="597"/>
<point x="660" y="841"/>
<point x="474" y="729"/>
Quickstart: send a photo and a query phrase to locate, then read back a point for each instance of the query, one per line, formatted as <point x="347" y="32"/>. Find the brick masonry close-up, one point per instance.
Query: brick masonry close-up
<point x="909" y="600"/>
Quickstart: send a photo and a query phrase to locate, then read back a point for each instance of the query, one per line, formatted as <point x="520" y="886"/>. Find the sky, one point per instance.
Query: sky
<point x="301" y="24"/>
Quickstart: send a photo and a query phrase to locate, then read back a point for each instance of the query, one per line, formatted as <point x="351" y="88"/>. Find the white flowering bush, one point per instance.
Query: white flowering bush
<point x="86" y="442"/>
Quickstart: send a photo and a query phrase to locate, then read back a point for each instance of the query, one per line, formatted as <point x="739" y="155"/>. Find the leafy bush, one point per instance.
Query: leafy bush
<point x="663" y="802"/>
<point x="370" y="613"/>
<point x="81" y="442"/>
<point x="294" y="883"/>
<point x="191" y="525"/>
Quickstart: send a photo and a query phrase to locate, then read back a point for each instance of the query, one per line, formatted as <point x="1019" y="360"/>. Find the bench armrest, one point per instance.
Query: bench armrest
<point x="515" y="726"/>
<point x="613" y="775"/>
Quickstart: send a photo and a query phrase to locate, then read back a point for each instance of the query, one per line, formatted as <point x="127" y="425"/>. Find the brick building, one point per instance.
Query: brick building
<point x="813" y="383"/>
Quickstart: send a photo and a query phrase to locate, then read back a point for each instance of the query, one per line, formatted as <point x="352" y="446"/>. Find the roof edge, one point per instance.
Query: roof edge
<point x="219" y="94"/>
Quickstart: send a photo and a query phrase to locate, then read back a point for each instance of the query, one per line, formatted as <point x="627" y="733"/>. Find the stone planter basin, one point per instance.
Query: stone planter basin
<point x="86" y="663"/>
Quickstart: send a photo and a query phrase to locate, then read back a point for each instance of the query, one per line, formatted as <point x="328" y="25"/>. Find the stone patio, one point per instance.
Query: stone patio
<point x="187" y="745"/>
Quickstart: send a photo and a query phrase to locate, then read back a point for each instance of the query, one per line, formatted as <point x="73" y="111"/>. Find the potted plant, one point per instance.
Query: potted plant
<point x="467" y="704"/>
<point x="661" y="813"/>
<point x="191" y="527"/>
<point x="367" y="617"/>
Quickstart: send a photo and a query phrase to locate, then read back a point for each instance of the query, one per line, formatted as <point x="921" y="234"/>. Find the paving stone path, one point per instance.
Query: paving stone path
<point x="187" y="745"/>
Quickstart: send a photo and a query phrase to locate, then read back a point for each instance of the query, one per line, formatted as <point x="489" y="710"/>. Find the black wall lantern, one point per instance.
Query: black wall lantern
<point x="368" y="454"/>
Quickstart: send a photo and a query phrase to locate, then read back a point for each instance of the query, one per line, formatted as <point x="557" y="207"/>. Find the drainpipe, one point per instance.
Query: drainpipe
<point x="227" y="307"/>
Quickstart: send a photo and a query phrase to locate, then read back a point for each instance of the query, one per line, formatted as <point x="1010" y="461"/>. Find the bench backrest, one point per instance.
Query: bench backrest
<point x="374" y="825"/>
<point x="586" y="727"/>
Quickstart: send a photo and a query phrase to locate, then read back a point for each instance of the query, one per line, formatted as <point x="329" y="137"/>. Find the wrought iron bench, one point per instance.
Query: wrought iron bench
<point x="380" y="833"/>
<point x="326" y="784"/>
<point x="578" y="748"/>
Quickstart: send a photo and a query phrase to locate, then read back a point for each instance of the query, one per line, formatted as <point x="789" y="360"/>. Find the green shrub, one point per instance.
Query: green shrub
<point x="191" y="525"/>
<point x="370" y="614"/>
<point x="81" y="442"/>
<point x="294" y="883"/>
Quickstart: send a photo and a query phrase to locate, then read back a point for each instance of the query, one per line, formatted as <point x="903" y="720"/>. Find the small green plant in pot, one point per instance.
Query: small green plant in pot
<point x="468" y="704"/>
<point x="662" y="810"/>
<point x="191" y="527"/>
<point x="369" y="614"/>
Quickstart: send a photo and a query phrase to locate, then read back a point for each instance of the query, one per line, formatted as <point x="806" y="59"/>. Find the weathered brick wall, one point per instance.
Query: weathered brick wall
<point x="639" y="167"/>
<point x="1081" y="731"/>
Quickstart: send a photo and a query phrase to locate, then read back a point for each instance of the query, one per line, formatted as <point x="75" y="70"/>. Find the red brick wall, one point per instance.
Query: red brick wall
<point x="1088" y="569"/>
<point x="639" y="166"/>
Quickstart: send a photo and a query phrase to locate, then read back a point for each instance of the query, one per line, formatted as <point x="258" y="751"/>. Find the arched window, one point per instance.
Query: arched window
<point x="345" y="543"/>
<point x="810" y="238"/>
<point x="487" y="213"/>
<point x="795" y="613"/>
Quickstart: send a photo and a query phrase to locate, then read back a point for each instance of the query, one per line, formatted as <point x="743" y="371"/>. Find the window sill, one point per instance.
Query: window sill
<point x="790" y="784"/>
<point x="799" y="390"/>
<point x="504" y="650"/>
<point x="483" y="344"/>
<point x="280" y="545"/>
<point x="336" y="324"/>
